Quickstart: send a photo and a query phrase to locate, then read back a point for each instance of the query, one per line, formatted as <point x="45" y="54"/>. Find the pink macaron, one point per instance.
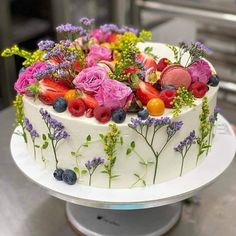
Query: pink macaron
<point x="175" y="75"/>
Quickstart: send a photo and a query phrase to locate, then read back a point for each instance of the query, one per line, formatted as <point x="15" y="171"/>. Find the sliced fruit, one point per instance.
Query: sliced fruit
<point x="175" y="75"/>
<point x="71" y="94"/>
<point x="147" y="60"/>
<point x="167" y="96"/>
<point x="88" y="99"/>
<point x="198" y="89"/>
<point x="162" y="64"/>
<point x="76" y="107"/>
<point x="145" y="92"/>
<point x="48" y="90"/>
<point x="156" y="107"/>
<point x="133" y="105"/>
<point x="102" y="114"/>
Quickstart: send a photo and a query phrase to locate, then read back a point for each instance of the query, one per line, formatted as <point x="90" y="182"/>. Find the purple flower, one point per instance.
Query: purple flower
<point x="29" y="127"/>
<point x="202" y="47"/>
<point x="200" y="71"/>
<point x="86" y="21"/>
<point x="135" y="122"/>
<point x="68" y="28"/>
<point x="173" y="127"/>
<point x="46" y="45"/>
<point x="214" y="116"/>
<point x="109" y="28"/>
<point x="113" y="94"/>
<point x="90" y="79"/>
<point x="128" y="29"/>
<point x="94" y="163"/>
<point x="186" y="143"/>
<point x="98" y="53"/>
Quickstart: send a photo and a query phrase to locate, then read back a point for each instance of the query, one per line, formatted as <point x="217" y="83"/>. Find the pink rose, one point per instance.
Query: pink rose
<point x="200" y="71"/>
<point x="90" y="79"/>
<point x="98" y="53"/>
<point x="25" y="79"/>
<point x="113" y="94"/>
<point x="100" y="35"/>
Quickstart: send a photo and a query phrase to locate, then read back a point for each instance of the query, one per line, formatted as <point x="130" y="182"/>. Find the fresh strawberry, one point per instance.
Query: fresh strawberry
<point x="77" y="66"/>
<point x="162" y="64"/>
<point x="48" y="90"/>
<point x="131" y="69"/>
<point x="145" y="91"/>
<point x="147" y="61"/>
<point x="167" y="96"/>
<point x="88" y="99"/>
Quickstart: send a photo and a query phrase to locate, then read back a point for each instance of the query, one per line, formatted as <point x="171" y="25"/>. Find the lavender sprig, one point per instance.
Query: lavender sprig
<point x="33" y="133"/>
<point x="46" y="45"/>
<point x="143" y="128"/>
<point x="56" y="131"/>
<point x="184" y="146"/>
<point x="92" y="166"/>
<point x="87" y="22"/>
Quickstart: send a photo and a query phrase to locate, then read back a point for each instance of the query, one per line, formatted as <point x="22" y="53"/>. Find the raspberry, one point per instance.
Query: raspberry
<point x="102" y="114"/>
<point x="198" y="89"/>
<point x="162" y="64"/>
<point x="167" y="97"/>
<point x="76" y="107"/>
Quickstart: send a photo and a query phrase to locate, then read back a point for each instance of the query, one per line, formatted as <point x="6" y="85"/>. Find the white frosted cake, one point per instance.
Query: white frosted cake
<point x="109" y="111"/>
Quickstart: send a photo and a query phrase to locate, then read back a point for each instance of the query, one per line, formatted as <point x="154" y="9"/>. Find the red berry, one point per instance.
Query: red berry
<point x="89" y="113"/>
<point x="102" y="114"/>
<point x="162" y="64"/>
<point x="167" y="97"/>
<point x="76" y="107"/>
<point x="198" y="89"/>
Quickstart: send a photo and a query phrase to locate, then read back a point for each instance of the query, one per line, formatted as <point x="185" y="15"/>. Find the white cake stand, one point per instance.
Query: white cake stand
<point x="139" y="211"/>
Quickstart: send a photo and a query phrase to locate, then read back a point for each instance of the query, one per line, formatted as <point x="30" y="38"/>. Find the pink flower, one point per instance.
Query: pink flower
<point x="113" y="94"/>
<point x="100" y="35"/>
<point x="200" y="71"/>
<point x="27" y="78"/>
<point x="90" y="79"/>
<point x="98" y="53"/>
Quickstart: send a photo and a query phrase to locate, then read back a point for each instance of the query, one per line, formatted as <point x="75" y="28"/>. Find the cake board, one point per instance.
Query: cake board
<point x="96" y="211"/>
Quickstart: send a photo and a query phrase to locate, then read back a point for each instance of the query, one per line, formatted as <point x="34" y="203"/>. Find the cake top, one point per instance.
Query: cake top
<point x="107" y="72"/>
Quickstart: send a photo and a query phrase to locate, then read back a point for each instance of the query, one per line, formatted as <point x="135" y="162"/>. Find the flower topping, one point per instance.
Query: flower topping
<point x="186" y="143"/>
<point x="46" y="45"/>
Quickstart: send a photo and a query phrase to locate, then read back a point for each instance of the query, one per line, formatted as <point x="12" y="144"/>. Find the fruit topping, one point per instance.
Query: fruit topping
<point x="89" y="113"/>
<point x="162" y="64"/>
<point x="88" y="100"/>
<point x="175" y="75"/>
<point x="76" y="107"/>
<point x="59" y="104"/>
<point x="69" y="177"/>
<point x="147" y="60"/>
<point x="167" y="96"/>
<point x="156" y="107"/>
<point x="145" y="92"/>
<point x="198" y="89"/>
<point x="168" y="86"/>
<point x="118" y="115"/>
<point x="133" y="105"/>
<point x="213" y="81"/>
<point x="143" y="114"/>
<point x="102" y="114"/>
<point x="71" y="94"/>
<point x="48" y="90"/>
<point x="58" y="174"/>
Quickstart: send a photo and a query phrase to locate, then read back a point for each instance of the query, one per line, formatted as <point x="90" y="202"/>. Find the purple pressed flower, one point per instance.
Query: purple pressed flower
<point x="34" y="134"/>
<point x="173" y="127"/>
<point x="202" y="47"/>
<point x="86" y="21"/>
<point x="29" y="127"/>
<point x="94" y="163"/>
<point x="216" y="110"/>
<point x="46" y="45"/>
<point x="68" y="28"/>
<point x="159" y="122"/>
<point x="135" y="122"/>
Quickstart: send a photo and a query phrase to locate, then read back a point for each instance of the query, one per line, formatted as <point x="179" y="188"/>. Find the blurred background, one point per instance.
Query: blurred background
<point x="25" y="208"/>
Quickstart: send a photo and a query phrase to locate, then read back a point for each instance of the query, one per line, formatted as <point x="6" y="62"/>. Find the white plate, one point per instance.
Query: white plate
<point x="218" y="159"/>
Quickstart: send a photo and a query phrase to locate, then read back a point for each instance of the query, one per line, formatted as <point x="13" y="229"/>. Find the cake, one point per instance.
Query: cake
<point x="106" y="108"/>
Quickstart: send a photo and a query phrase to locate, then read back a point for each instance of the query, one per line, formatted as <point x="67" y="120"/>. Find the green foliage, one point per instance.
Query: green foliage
<point x="109" y="141"/>
<point x="175" y="51"/>
<point x="183" y="99"/>
<point x="204" y="129"/>
<point x="31" y="57"/>
<point x="130" y="148"/>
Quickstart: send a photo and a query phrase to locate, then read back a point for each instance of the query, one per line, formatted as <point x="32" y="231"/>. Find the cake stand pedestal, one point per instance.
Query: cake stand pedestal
<point x="153" y="210"/>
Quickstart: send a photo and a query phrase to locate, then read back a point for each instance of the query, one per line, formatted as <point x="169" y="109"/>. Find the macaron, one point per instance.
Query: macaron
<point x="175" y="75"/>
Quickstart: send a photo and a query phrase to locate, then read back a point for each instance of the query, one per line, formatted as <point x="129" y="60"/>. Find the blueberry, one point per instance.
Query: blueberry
<point x="168" y="86"/>
<point x="118" y="115"/>
<point x="143" y="114"/>
<point x="60" y="104"/>
<point x="69" y="177"/>
<point x="213" y="81"/>
<point x="58" y="174"/>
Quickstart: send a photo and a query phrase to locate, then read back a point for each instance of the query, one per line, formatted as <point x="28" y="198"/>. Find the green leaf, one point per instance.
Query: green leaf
<point x="104" y="172"/>
<point x="121" y="140"/>
<point x="85" y="145"/>
<point x="88" y="138"/>
<point x="144" y="182"/>
<point x="150" y="162"/>
<point x="73" y="153"/>
<point x="45" y="145"/>
<point x="137" y="175"/>
<point x="128" y="151"/>
<point x="101" y="136"/>
<point x="37" y="146"/>
<point x="44" y="137"/>
<point x="114" y="176"/>
<point x="83" y="172"/>
<point x="76" y="170"/>
<point x="143" y="163"/>
<point x="132" y="144"/>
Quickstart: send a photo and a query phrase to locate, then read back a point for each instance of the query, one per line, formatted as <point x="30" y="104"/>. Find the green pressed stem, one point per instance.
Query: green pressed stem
<point x="90" y="179"/>
<point x="209" y="141"/>
<point x="54" y="152"/>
